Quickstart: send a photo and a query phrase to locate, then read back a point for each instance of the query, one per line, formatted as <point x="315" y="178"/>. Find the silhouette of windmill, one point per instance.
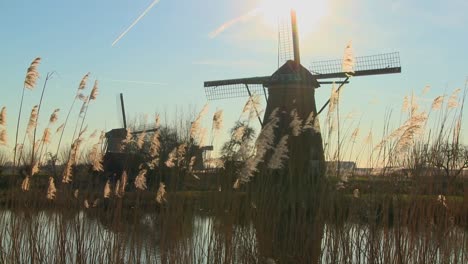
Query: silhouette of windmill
<point x="292" y="87"/>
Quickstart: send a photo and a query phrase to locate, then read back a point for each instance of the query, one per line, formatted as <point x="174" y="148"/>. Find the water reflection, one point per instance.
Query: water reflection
<point x="133" y="236"/>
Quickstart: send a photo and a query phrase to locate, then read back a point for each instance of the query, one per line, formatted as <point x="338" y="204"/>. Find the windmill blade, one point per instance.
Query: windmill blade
<point x="243" y="81"/>
<point x="385" y="63"/>
<point x="244" y="87"/>
<point x="285" y="41"/>
<point x="233" y="90"/>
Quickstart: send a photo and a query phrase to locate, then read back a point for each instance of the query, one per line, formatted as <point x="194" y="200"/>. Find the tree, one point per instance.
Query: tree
<point x="239" y="147"/>
<point x="452" y="159"/>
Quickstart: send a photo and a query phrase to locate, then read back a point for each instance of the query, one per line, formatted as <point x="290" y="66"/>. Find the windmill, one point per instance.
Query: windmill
<point x="292" y="88"/>
<point x="116" y="159"/>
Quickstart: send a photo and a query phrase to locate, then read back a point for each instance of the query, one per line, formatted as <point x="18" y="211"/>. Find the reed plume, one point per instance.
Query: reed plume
<point x="121" y="185"/>
<point x="191" y="163"/>
<point x="83" y="81"/>
<point x="46" y="136"/>
<point x="437" y="103"/>
<point x="67" y="173"/>
<point x="3" y="137"/>
<point x="263" y="143"/>
<point x="405" y="105"/>
<point x="413" y="127"/>
<point x="170" y="162"/>
<point x="32" y="119"/>
<point x="155" y="144"/>
<point x="95" y="156"/>
<point x="202" y="136"/>
<point x="107" y="190"/>
<point x="54" y="116"/>
<point x="195" y="127"/>
<point x="453" y="100"/>
<point x="239" y="133"/>
<point x="94" y="134"/>
<point x="355" y="134"/>
<point x="312" y="123"/>
<point x="94" y="91"/>
<point x="95" y="203"/>
<point x="117" y="189"/>
<point x="405" y="134"/>
<point x="32" y="75"/>
<point x="181" y="150"/>
<point x="141" y="140"/>
<point x="140" y="180"/>
<point x="252" y="106"/>
<point x="161" y="194"/>
<point x="128" y="139"/>
<point x="280" y="154"/>
<point x="217" y="121"/>
<point x="3" y="117"/>
<point x="296" y="123"/>
<point x="25" y="184"/>
<point x="236" y="184"/>
<point x="348" y="60"/>
<point x="51" y="190"/>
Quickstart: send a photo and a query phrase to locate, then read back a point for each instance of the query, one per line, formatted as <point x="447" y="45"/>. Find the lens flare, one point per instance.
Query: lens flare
<point x="309" y="12"/>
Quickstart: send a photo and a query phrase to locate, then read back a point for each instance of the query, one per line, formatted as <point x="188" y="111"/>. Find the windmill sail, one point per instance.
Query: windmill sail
<point x="386" y="63"/>
<point x="285" y="41"/>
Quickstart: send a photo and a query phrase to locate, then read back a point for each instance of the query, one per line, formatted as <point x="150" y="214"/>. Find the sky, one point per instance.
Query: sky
<point x="160" y="64"/>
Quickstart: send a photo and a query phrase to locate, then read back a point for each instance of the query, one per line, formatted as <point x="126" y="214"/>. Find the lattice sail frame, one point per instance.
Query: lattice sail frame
<point x="285" y="40"/>
<point x="366" y="65"/>
<point x="233" y="91"/>
<point x="386" y="63"/>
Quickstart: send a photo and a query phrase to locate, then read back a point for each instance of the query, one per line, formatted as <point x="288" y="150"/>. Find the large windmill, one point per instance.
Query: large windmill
<point x="292" y="88"/>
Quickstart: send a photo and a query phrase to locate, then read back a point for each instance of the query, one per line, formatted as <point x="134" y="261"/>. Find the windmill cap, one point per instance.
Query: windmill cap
<point x="293" y="73"/>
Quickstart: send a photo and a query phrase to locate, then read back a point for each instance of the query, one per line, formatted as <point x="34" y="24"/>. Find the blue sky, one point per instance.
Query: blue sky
<point x="169" y="53"/>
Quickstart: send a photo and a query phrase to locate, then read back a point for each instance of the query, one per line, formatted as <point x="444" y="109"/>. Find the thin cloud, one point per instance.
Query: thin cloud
<point x="227" y="63"/>
<point x="136" y="21"/>
<point x="136" y="82"/>
<point x="244" y="18"/>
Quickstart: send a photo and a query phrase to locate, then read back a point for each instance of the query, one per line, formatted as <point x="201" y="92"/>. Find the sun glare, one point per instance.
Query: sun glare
<point x="309" y="12"/>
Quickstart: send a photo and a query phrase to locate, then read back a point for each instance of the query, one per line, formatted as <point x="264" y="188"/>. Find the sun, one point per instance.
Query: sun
<point x="309" y="12"/>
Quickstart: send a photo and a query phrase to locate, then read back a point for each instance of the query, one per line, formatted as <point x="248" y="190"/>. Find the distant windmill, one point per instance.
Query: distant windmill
<point x="116" y="159"/>
<point x="292" y="87"/>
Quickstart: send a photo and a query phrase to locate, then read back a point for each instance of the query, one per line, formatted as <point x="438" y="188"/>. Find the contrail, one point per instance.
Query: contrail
<point x="234" y="21"/>
<point x="136" y="21"/>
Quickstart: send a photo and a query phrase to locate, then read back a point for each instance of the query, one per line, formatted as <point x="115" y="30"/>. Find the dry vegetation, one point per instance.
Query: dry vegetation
<point x="63" y="206"/>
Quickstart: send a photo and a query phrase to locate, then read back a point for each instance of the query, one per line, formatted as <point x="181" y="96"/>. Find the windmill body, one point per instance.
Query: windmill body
<point x="296" y="97"/>
<point x="292" y="88"/>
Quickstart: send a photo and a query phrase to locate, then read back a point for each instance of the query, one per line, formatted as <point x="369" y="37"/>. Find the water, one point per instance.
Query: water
<point x="89" y="236"/>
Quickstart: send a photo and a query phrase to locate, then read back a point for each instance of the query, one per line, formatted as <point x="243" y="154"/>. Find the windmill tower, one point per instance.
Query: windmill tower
<point x="291" y="89"/>
<point x="116" y="159"/>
